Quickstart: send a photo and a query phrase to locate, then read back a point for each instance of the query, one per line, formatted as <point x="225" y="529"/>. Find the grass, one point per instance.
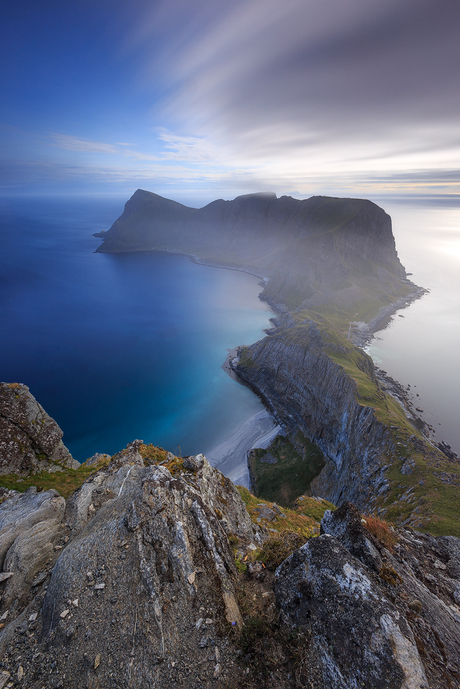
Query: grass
<point x="64" y="482"/>
<point x="433" y="503"/>
<point x="381" y="530"/>
<point x="297" y="465"/>
<point x="303" y="518"/>
<point x="67" y="481"/>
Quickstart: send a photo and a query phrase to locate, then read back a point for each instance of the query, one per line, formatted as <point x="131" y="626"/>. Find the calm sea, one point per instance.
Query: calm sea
<point x="421" y="346"/>
<point x="118" y="347"/>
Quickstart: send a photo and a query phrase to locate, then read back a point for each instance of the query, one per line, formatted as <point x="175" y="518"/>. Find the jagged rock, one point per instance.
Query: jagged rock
<point x="355" y="636"/>
<point x="31" y="551"/>
<point x="347" y="526"/>
<point x="21" y="513"/>
<point x="193" y="463"/>
<point x="144" y="566"/>
<point x="30" y="440"/>
<point x="97" y="459"/>
<point x="143" y="592"/>
<point x="408" y="467"/>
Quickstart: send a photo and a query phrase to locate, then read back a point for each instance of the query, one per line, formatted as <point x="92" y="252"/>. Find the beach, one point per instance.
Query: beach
<point x="230" y="456"/>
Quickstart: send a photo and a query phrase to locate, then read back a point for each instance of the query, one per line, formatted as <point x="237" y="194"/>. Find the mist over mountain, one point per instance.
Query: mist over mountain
<point x="318" y="250"/>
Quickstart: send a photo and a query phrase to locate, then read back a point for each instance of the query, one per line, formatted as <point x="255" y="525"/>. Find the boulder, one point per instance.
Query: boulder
<point x="30" y="440"/>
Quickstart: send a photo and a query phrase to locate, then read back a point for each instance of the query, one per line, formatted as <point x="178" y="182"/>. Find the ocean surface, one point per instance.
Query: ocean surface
<point x="421" y="346"/>
<point x="118" y="347"/>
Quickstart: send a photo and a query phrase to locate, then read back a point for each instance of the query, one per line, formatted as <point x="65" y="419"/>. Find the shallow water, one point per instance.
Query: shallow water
<point x="117" y="347"/>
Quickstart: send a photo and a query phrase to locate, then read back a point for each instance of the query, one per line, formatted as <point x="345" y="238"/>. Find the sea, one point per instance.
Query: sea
<point x="420" y="347"/>
<point x="123" y="346"/>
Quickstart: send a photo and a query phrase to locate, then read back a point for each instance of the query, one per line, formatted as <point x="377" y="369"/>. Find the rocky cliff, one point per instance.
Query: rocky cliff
<point x="338" y="248"/>
<point x="316" y="381"/>
<point x="295" y="373"/>
<point x="133" y="583"/>
<point x="30" y="440"/>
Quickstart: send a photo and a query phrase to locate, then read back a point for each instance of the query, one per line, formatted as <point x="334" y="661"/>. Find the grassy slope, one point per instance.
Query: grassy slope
<point x="297" y="465"/>
<point x="430" y="494"/>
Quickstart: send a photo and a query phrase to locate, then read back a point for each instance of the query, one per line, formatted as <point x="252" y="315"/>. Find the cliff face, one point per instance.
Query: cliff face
<point x="30" y="440"/>
<point x="294" y="372"/>
<point x="303" y="246"/>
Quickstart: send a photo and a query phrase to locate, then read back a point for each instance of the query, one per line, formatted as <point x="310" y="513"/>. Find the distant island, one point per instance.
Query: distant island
<point x="331" y="273"/>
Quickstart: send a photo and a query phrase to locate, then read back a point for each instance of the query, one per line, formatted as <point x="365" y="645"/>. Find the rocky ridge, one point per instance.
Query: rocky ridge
<point x="133" y="582"/>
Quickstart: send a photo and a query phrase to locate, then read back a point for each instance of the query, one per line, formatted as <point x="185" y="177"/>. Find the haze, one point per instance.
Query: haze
<point x="207" y="99"/>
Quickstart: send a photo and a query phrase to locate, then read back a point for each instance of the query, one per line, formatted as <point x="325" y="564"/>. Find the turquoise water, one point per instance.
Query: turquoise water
<point x="117" y="347"/>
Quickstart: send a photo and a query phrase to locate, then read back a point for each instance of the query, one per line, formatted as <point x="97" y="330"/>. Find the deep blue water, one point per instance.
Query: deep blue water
<point x="117" y="347"/>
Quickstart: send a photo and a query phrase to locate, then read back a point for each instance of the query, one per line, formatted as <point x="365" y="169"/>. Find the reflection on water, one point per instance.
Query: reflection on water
<point x="422" y="348"/>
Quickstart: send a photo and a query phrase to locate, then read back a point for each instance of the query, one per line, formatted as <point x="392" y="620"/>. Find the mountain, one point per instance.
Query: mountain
<point x="316" y="250"/>
<point x="332" y="274"/>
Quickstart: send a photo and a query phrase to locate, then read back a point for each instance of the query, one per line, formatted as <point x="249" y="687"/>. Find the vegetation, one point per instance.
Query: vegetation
<point x="303" y="518"/>
<point x="64" y="482"/>
<point x="381" y="530"/>
<point x="295" y="468"/>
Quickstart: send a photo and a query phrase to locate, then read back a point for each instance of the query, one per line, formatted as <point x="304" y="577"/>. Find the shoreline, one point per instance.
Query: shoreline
<point x="248" y="436"/>
<point x="362" y="333"/>
<point x="230" y="456"/>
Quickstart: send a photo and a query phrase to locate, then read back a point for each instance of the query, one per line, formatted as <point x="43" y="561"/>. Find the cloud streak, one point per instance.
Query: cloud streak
<point x="332" y="82"/>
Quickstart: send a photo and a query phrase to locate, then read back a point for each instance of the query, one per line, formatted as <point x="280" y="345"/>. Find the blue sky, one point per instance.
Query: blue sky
<point x="201" y="99"/>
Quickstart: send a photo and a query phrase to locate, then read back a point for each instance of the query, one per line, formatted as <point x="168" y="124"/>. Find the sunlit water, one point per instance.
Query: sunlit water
<point x="422" y="349"/>
<point x="118" y="347"/>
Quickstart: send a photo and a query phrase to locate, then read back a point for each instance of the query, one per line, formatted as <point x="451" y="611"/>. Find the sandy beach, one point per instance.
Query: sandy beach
<point x="230" y="457"/>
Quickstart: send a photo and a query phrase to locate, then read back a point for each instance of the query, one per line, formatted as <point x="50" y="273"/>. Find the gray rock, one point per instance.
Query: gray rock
<point x="97" y="459"/>
<point x="194" y="463"/>
<point x="266" y="513"/>
<point x="30" y="440"/>
<point x="22" y="512"/>
<point x="354" y="636"/>
<point x="29" y="554"/>
<point x="345" y="524"/>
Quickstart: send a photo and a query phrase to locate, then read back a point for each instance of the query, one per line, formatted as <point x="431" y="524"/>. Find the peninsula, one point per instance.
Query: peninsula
<point x="332" y="274"/>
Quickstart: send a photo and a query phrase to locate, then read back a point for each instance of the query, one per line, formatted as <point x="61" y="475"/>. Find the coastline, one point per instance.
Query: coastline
<point x="230" y="456"/>
<point x="362" y="334"/>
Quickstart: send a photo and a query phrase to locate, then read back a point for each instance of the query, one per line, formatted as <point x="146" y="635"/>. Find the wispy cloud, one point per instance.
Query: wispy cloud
<point x="72" y="143"/>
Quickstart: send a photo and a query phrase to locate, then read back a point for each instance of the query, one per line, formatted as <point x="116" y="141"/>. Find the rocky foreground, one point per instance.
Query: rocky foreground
<point x="132" y="582"/>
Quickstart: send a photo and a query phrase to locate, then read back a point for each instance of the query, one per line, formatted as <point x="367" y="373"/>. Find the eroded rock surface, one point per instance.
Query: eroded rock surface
<point x="30" y="440"/>
<point x="143" y="594"/>
<point x="391" y="621"/>
<point x="133" y="584"/>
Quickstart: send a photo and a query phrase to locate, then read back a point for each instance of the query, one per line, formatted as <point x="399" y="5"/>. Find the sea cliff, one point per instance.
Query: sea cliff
<point x="332" y="273"/>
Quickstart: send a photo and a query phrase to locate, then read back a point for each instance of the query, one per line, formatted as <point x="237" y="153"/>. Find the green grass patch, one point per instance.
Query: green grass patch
<point x="303" y="518"/>
<point x="295" y="468"/>
<point x="64" y="482"/>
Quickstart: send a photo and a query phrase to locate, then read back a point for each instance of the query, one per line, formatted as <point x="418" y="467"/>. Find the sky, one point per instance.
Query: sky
<point x="204" y="99"/>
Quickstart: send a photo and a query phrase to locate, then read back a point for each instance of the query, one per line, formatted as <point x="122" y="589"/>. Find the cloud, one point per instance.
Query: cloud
<point x="72" y="143"/>
<point x="329" y="82"/>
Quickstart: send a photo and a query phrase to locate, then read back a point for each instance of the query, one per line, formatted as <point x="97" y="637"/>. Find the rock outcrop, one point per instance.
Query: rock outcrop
<point x="143" y="590"/>
<point x="30" y="440"/>
<point x="387" y="621"/>
<point x="132" y="583"/>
